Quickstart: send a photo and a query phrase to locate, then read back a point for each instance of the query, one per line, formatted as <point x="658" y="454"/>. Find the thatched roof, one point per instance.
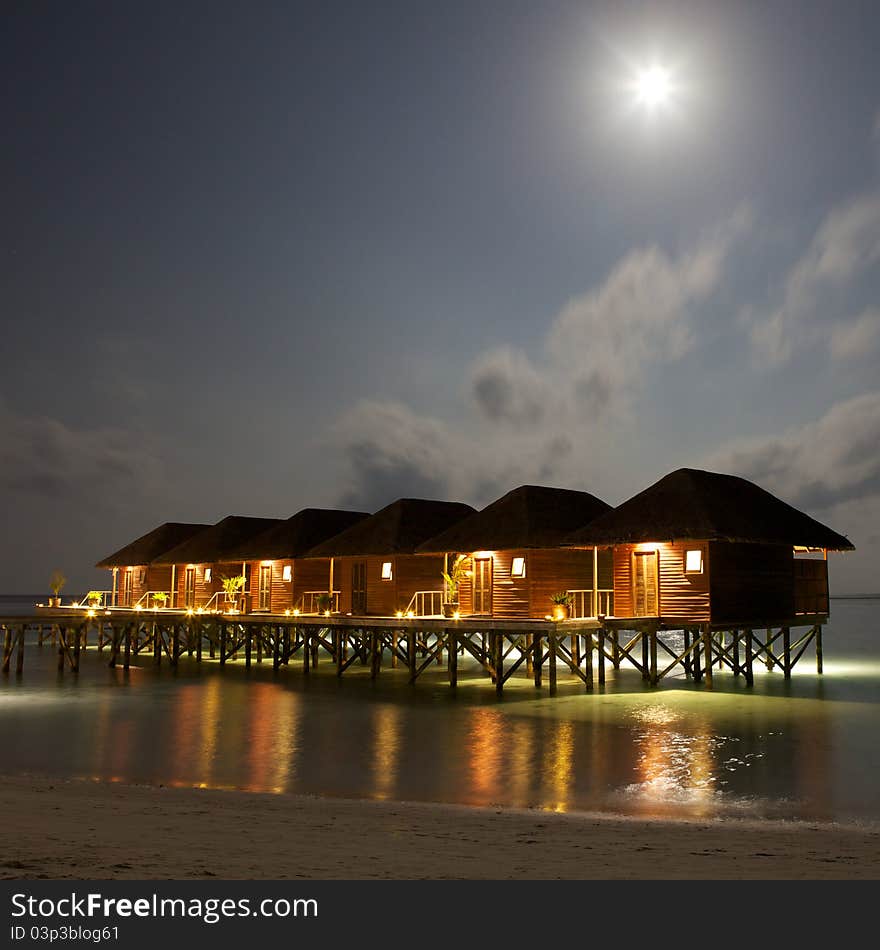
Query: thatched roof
<point x="152" y="544"/>
<point x="530" y="516"/>
<point x="399" y="528"/>
<point x="215" y="544"/>
<point x="690" y="504"/>
<point x="293" y="537"/>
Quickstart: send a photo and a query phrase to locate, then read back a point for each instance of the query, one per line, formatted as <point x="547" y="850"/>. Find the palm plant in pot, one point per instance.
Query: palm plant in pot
<point x="452" y="583"/>
<point x="324" y="603"/>
<point x="56" y="585"/>
<point x="232" y="586"/>
<point x="159" y="598"/>
<point x="561" y="601"/>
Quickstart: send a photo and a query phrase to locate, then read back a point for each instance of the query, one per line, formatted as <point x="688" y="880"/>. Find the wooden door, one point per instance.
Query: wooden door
<point x="127" y="578"/>
<point x="264" y="600"/>
<point x="482" y="585"/>
<point x="646" y="584"/>
<point x="189" y="587"/>
<point x="359" y="588"/>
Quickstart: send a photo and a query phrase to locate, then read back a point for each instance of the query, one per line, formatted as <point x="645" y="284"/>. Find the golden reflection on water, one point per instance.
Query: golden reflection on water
<point x="271" y="738"/>
<point x="561" y="764"/>
<point x="387" y="723"/>
<point x="673" y="767"/>
<point x="485" y="742"/>
<point x="520" y="752"/>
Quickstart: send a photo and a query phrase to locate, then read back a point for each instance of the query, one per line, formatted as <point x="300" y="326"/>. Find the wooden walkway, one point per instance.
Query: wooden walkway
<point x="536" y="649"/>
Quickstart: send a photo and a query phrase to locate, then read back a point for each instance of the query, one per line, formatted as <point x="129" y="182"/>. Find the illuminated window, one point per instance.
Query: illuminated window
<point x="518" y="567"/>
<point x="207" y="575"/>
<point x="386" y="570"/>
<point x="693" y="562"/>
<point x="287" y="572"/>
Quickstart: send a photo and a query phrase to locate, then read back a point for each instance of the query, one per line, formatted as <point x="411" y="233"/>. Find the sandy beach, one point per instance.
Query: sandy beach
<point x="84" y="830"/>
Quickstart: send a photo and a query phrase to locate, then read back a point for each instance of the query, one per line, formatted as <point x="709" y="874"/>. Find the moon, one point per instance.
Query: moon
<point x="653" y="88"/>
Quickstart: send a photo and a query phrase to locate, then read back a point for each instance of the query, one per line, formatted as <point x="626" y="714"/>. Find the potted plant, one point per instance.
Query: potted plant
<point x="232" y="585"/>
<point x="159" y="598"/>
<point x="561" y="601"/>
<point x="56" y="584"/>
<point x="94" y="598"/>
<point x="452" y="582"/>
<point x="324" y="603"/>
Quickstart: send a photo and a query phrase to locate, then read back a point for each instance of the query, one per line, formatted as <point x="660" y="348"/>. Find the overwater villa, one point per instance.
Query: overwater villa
<point x="512" y="558"/>
<point x="278" y="578"/>
<point x="135" y="575"/>
<point x="375" y="570"/>
<point x="699" y="572"/>
<point x="703" y="547"/>
<point x="199" y="564"/>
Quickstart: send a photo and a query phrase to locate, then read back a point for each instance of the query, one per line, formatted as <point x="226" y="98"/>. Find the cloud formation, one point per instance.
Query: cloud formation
<point x="845" y="247"/>
<point x="640" y="316"/>
<point x="541" y="411"/>
<point x="818" y="465"/>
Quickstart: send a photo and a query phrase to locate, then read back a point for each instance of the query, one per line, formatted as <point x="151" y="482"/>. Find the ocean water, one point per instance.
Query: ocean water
<point x="802" y="749"/>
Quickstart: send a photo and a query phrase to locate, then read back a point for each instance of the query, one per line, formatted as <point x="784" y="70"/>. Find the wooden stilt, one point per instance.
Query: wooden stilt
<point x="307" y="648"/>
<point x="114" y="646"/>
<point x="19" y="653"/>
<point x="698" y="672"/>
<point x="538" y="662"/>
<point x="530" y="654"/>
<point x="707" y="652"/>
<point x="452" y="657"/>
<point x="157" y="651"/>
<point x="394" y="649"/>
<point x="551" y="657"/>
<point x="222" y="645"/>
<point x="786" y="652"/>
<point x="76" y="648"/>
<point x="7" y="648"/>
<point x="750" y="675"/>
<point x="645" y="661"/>
<point x="769" y="648"/>
<point x="588" y="661"/>
<point x="126" y="660"/>
<point x="175" y="644"/>
<point x="576" y="649"/>
<point x="62" y="642"/>
<point x="687" y="657"/>
<point x="654" y="679"/>
<point x="499" y="662"/>
<point x="615" y="649"/>
<point x="600" y="652"/>
<point x="735" y="652"/>
<point x="819" y="659"/>
<point x="248" y="646"/>
<point x="375" y="653"/>
<point x="260" y="633"/>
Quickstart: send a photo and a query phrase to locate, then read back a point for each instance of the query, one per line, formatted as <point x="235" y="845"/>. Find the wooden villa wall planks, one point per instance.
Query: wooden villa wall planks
<point x="410" y="573"/>
<point x="680" y="594"/>
<point x="810" y="585"/>
<point x="751" y="581"/>
<point x="548" y="570"/>
<point x="310" y="574"/>
<point x="280" y="591"/>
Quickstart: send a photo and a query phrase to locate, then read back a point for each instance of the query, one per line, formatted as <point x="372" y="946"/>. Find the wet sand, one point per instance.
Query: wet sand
<point x="83" y="830"/>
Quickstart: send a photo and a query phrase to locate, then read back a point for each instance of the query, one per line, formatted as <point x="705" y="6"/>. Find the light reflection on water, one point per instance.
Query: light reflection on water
<point x="800" y="749"/>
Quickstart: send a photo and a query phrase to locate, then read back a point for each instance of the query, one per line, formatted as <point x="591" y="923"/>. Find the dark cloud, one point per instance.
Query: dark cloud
<point x="821" y="464"/>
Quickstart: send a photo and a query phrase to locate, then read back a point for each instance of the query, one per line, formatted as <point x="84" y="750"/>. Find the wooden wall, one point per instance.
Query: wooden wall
<point x="751" y="582"/>
<point x="311" y="574"/>
<point x="410" y="573"/>
<point x="548" y="570"/>
<point x="204" y="589"/>
<point x="280" y="593"/>
<point x="810" y="585"/>
<point x="680" y="594"/>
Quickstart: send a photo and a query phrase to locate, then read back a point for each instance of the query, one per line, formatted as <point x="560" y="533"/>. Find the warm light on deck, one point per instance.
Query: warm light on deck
<point x="138" y="608"/>
<point x="296" y="611"/>
<point x="399" y="614"/>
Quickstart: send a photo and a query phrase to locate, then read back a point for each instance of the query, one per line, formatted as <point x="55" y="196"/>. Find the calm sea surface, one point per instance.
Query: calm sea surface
<point x="803" y="749"/>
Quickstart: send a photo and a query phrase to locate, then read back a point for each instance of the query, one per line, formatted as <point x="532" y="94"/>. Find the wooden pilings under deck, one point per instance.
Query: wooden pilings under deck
<point x="652" y="646"/>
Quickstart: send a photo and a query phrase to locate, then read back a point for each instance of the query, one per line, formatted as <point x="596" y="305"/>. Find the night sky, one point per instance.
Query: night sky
<point x="268" y="255"/>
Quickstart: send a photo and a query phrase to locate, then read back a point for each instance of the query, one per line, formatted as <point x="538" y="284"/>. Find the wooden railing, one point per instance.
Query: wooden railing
<point x="308" y="601"/>
<point x="582" y="603"/>
<point x="426" y="603"/>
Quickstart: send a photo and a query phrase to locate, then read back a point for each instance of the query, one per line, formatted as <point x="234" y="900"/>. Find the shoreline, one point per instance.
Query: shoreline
<point x="78" y="829"/>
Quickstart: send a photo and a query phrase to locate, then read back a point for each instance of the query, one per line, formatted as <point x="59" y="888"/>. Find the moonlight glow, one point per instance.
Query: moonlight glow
<point x="653" y="87"/>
